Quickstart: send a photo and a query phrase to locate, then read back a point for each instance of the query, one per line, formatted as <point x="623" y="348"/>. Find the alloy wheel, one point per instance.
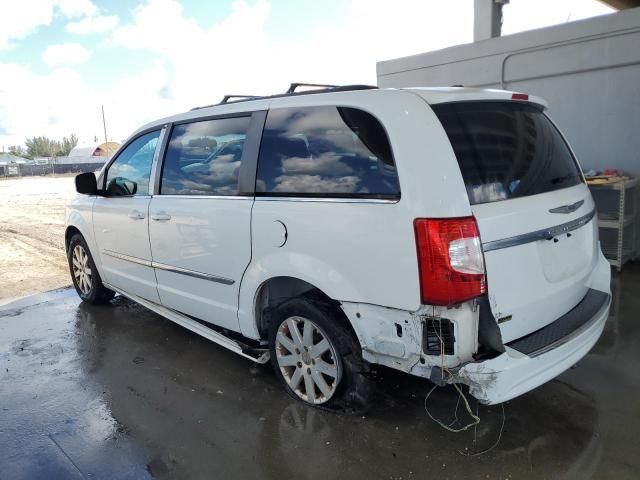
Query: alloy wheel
<point x="81" y="269"/>
<point x="307" y="360"/>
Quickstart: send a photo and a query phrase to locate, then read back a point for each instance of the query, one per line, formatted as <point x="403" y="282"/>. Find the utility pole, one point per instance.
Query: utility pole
<point x="104" y="125"/>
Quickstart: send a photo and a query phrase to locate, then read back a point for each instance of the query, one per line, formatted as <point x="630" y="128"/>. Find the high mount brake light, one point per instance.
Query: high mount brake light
<point x="450" y="260"/>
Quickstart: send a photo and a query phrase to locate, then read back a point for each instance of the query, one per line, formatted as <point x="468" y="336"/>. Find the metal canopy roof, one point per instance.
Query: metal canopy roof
<point x="622" y="4"/>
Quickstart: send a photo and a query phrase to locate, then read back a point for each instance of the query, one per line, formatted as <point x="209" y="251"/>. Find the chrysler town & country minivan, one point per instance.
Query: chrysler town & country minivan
<point x="444" y="232"/>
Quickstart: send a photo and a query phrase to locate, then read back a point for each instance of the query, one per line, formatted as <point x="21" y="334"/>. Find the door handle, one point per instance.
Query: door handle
<point x="136" y="215"/>
<point x="161" y="217"/>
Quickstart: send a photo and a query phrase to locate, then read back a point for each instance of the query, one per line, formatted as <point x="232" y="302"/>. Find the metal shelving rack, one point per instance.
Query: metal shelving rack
<point x="617" y="219"/>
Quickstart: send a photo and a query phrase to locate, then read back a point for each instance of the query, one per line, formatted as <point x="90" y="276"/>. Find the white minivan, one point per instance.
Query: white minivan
<point x="444" y="232"/>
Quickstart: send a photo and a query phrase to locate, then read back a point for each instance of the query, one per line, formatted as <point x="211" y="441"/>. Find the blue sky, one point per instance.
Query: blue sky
<point x="287" y="20"/>
<point x="61" y="59"/>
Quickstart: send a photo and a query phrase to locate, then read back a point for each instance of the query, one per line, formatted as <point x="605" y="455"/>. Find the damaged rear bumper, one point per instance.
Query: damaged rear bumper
<point x="513" y="373"/>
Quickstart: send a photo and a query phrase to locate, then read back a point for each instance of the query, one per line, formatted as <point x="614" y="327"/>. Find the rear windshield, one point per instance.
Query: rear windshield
<point x="507" y="150"/>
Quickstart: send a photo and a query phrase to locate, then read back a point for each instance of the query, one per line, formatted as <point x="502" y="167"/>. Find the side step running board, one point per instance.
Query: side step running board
<point x="257" y="355"/>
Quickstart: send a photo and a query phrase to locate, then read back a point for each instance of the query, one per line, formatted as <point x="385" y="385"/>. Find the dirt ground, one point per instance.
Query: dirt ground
<point x="32" y="213"/>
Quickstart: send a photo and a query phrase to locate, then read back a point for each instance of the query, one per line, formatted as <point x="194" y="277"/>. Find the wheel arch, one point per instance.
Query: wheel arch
<point x="302" y="273"/>
<point x="77" y="224"/>
<point x="70" y="231"/>
<point x="276" y="290"/>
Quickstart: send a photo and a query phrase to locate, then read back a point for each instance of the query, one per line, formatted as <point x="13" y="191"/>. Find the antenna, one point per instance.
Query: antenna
<point x="104" y="125"/>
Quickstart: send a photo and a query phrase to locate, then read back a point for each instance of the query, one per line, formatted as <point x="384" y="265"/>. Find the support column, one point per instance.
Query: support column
<point x="487" y="18"/>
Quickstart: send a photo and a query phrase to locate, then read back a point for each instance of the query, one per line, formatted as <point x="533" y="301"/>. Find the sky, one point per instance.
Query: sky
<point x="61" y="60"/>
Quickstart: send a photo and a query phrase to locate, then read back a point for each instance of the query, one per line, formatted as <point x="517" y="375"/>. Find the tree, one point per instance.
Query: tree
<point x="46" y="147"/>
<point x="41" y="147"/>
<point x="68" y="144"/>
<point x="18" y="151"/>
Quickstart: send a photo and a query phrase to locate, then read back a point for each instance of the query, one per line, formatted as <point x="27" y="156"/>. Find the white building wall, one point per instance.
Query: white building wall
<point x="589" y="71"/>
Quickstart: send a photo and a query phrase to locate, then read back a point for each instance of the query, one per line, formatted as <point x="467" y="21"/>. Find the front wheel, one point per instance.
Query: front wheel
<point x="84" y="273"/>
<point x="317" y="356"/>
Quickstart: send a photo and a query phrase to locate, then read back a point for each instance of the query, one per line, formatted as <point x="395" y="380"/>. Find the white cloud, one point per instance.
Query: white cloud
<point x="76" y="8"/>
<point x="21" y="18"/>
<point x="32" y="104"/>
<point x="65" y="54"/>
<point x="196" y="64"/>
<point x="238" y="55"/>
<point x="97" y="24"/>
<point x="60" y="102"/>
<point x="521" y="15"/>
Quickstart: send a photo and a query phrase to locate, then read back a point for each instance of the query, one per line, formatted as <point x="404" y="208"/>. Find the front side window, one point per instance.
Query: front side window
<point x="325" y="152"/>
<point x="129" y="173"/>
<point x="203" y="158"/>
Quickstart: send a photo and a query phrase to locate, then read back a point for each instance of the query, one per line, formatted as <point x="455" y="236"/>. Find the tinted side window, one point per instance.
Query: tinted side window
<point x="326" y="152"/>
<point x="129" y="173"/>
<point x="203" y="158"/>
<point x="507" y="150"/>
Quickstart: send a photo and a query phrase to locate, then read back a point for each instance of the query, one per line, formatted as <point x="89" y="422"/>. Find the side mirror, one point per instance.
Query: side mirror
<point x="86" y="183"/>
<point x="121" y="187"/>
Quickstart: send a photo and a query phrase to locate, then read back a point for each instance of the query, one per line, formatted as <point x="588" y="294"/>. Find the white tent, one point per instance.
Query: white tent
<point x="105" y="149"/>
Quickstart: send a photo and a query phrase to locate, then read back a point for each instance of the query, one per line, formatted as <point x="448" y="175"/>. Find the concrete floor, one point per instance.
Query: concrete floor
<point x="118" y="392"/>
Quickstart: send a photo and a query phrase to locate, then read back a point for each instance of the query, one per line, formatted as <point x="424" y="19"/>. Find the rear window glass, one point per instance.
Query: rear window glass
<point x="507" y="150"/>
<point x="325" y="152"/>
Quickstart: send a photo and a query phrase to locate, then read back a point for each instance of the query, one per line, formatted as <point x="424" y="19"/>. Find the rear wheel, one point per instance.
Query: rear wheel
<point x="317" y="356"/>
<point x="84" y="273"/>
<point x="307" y="360"/>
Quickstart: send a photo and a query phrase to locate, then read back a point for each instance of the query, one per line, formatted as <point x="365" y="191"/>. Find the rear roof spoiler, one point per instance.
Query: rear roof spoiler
<point x="465" y="94"/>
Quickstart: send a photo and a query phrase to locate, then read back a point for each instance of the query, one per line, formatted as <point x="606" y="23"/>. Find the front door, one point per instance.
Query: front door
<point x="121" y="219"/>
<point x="199" y="225"/>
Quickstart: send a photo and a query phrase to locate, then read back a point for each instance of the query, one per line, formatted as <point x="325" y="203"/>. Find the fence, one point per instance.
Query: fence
<point x="28" y="170"/>
<point x="46" y="166"/>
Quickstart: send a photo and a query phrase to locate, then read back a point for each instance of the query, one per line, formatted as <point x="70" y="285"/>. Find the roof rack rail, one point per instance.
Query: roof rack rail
<point x="226" y="98"/>
<point x="293" y="86"/>
<point x="292" y="92"/>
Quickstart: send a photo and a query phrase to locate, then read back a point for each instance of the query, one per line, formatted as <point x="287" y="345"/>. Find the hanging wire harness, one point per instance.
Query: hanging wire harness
<point x="449" y="377"/>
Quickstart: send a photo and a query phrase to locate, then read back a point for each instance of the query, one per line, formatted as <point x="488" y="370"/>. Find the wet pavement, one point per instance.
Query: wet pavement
<point x="119" y="392"/>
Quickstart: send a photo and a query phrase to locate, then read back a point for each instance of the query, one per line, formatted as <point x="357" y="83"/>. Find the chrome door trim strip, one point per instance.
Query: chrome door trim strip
<point x="128" y="258"/>
<point x="216" y="197"/>
<point x="545" y="234"/>
<point x="193" y="273"/>
<point x="326" y="200"/>
<point x="170" y="268"/>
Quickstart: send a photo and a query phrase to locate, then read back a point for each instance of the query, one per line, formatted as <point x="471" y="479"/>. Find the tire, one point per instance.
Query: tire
<point x="84" y="273"/>
<point x="324" y="356"/>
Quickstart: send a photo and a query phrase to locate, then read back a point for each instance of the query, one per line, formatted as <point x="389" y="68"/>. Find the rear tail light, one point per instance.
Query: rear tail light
<point x="519" y="96"/>
<point x="450" y="260"/>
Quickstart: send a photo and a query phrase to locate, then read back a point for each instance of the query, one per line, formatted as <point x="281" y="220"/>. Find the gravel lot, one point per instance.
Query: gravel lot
<point x="32" y="234"/>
